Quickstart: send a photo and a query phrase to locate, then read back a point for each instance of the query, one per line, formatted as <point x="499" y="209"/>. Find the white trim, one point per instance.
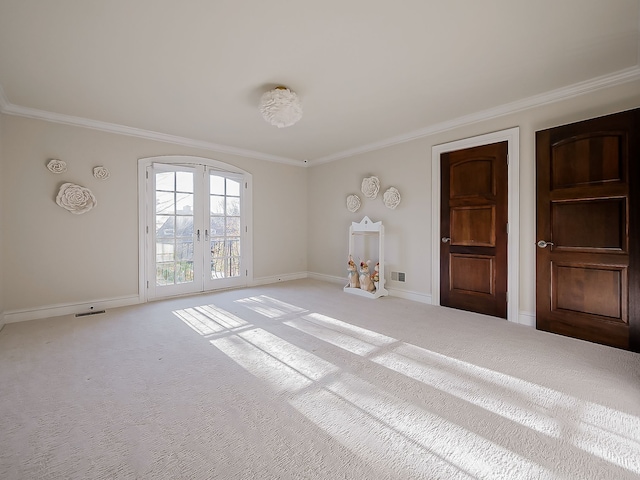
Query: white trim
<point x="617" y="78"/>
<point x="328" y="278"/>
<point x="143" y="213"/>
<point x="605" y="81"/>
<point x="512" y="136"/>
<point x="10" y="109"/>
<point x="69" y="309"/>
<point x="528" y="319"/>
<point x="286" y="277"/>
<point x="409" y="295"/>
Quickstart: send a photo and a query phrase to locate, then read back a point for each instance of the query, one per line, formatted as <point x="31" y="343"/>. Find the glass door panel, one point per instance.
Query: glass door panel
<point x="225" y="229"/>
<point x="175" y="239"/>
<point x="196" y="229"/>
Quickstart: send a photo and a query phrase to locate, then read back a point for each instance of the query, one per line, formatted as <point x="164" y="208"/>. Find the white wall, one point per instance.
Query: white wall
<point x="54" y="258"/>
<point x="407" y="167"/>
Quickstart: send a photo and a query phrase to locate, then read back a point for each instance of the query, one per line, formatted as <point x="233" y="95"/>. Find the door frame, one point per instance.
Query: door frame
<point x="512" y="137"/>
<point x="143" y="206"/>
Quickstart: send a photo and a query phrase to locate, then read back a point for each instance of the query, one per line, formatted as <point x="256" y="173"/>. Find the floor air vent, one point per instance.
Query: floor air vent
<point x="89" y="313"/>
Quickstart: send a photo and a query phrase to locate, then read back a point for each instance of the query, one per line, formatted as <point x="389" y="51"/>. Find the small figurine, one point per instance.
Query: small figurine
<point x="365" y="278"/>
<point x="375" y="276"/>
<point x="352" y="272"/>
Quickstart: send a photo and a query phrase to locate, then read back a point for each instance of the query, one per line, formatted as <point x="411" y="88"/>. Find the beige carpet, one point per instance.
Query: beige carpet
<point x="300" y="380"/>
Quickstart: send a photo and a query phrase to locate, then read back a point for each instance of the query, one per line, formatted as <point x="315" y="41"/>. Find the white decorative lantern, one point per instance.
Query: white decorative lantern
<point x="281" y="107"/>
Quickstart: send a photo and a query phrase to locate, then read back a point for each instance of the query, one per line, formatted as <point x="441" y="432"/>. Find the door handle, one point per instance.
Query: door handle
<point x="543" y="244"/>
<point x="198" y="235"/>
<point x="446" y="239"/>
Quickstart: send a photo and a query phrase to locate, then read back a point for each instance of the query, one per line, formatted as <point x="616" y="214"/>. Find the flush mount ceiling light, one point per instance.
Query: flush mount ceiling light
<point x="281" y="107"/>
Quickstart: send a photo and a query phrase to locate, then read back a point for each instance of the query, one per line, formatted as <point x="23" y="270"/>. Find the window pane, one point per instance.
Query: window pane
<point x="184" y="272"/>
<point x="233" y="187"/>
<point x="234" y="267"/>
<point x="184" y="250"/>
<point x="217" y="268"/>
<point x="217" y="226"/>
<point x="164" y="273"/>
<point x="233" y="225"/>
<point x="165" y="181"/>
<point x="184" y="226"/>
<point x="218" y="247"/>
<point x="165" y="252"/>
<point x="165" y="202"/>
<point x="216" y="205"/>
<point x="216" y="185"/>
<point x="184" y="182"/>
<point x="164" y="226"/>
<point x="184" y="203"/>
<point x="233" y="206"/>
<point x="233" y="246"/>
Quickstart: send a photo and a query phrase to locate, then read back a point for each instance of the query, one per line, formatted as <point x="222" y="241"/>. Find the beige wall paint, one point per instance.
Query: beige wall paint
<point x="52" y="257"/>
<point x="408" y="167"/>
<point x="2" y="226"/>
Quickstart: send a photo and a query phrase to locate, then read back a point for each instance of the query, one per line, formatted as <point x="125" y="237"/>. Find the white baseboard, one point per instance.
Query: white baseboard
<point x="59" y="310"/>
<point x="328" y="278"/>
<point x="527" y="318"/>
<point x="393" y="292"/>
<point x="409" y="295"/>
<point x="285" y="277"/>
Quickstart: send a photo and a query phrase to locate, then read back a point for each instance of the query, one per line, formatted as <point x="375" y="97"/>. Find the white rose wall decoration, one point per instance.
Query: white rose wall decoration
<point x="391" y="198"/>
<point x="57" y="166"/>
<point x="101" y="173"/>
<point x="353" y="203"/>
<point x="75" y="198"/>
<point x="370" y="187"/>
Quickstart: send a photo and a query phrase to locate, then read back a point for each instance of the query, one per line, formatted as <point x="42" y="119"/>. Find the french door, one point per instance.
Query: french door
<point x="196" y="229"/>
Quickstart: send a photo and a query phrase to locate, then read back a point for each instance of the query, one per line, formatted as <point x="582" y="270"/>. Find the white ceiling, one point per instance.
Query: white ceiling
<point x="367" y="71"/>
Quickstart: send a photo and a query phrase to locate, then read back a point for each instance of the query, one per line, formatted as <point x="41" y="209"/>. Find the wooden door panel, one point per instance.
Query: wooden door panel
<point x="473" y="265"/>
<point x="472" y="177"/>
<point x="590" y="289"/>
<point x="588" y="176"/>
<point x="602" y="160"/>
<point x="573" y="224"/>
<point x="473" y="226"/>
<point x="472" y="274"/>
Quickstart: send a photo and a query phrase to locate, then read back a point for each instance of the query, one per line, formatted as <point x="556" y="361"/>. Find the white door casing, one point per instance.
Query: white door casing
<point x="512" y="136"/>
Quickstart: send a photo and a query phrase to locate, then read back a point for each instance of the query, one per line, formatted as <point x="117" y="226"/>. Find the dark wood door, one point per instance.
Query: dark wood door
<point x="588" y="183"/>
<point x="473" y="224"/>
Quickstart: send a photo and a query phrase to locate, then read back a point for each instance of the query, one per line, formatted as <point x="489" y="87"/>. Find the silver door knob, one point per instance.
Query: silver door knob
<point x="446" y="239"/>
<point x="543" y="244"/>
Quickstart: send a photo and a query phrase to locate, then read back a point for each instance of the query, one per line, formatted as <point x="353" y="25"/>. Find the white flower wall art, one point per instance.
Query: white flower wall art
<point x="370" y="187"/>
<point x="75" y="198"/>
<point x="391" y="198"/>
<point x="57" y="166"/>
<point x="101" y="173"/>
<point x="353" y="203"/>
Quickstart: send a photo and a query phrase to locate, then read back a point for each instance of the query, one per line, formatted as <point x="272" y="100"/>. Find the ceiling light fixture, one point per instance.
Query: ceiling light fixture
<point x="281" y="107"/>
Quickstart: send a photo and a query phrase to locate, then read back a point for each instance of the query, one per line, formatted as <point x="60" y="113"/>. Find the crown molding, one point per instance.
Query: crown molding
<point x="581" y="88"/>
<point x="577" y="89"/>
<point x="8" y="108"/>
